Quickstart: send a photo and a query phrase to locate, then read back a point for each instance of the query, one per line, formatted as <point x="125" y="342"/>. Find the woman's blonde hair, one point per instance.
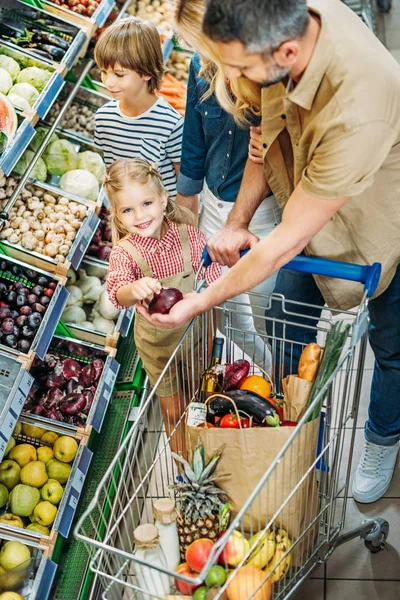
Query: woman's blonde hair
<point x="133" y="44"/>
<point x="138" y="170"/>
<point x="246" y="95"/>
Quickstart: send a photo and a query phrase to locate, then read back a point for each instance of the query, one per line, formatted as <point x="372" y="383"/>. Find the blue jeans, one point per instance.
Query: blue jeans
<point x="383" y="425"/>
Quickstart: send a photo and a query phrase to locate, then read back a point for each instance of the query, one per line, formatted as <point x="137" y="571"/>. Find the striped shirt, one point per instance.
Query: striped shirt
<point x="155" y="135"/>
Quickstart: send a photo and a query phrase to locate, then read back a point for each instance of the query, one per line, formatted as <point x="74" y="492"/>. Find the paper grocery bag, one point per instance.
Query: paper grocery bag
<point x="297" y="392"/>
<point x="248" y="455"/>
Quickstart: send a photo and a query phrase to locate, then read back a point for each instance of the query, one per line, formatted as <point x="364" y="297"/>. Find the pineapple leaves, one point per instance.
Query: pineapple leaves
<point x="198" y="462"/>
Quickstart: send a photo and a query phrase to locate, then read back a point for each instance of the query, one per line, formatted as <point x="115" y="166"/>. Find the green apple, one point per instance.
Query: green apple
<point x="45" y="513"/>
<point x="9" y="447"/>
<point x="13" y="554"/>
<point x="49" y="437"/>
<point x="65" y="448"/>
<point x="32" y="431"/>
<point x="23" y="500"/>
<point x="45" y="453"/>
<point x="13" y="520"/>
<point x="11" y="596"/>
<point x="9" y="473"/>
<point x="34" y="474"/>
<point x="23" y="454"/>
<point x="58" y="470"/>
<point x="38" y="528"/>
<point x="3" y="495"/>
<point x="52" y="491"/>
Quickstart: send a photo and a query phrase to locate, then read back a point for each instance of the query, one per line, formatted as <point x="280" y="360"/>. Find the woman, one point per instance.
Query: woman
<point x="214" y="154"/>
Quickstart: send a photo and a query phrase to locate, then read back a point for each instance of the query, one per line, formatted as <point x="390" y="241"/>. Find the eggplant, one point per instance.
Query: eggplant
<point x="44" y="37"/>
<point x="248" y="402"/>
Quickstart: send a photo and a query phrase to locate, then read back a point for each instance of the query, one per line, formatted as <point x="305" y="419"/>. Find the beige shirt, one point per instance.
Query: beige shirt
<point x="338" y="134"/>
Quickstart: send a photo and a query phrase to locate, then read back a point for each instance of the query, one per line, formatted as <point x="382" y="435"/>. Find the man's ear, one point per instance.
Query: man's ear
<point x="287" y="54"/>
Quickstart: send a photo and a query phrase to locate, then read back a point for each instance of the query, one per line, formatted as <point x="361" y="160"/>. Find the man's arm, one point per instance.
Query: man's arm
<point x="224" y="246"/>
<point x="190" y="202"/>
<point x="303" y="217"/>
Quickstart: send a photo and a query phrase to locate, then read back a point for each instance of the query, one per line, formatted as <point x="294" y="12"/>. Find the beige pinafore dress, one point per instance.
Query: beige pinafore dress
<point x="155" y="345"/>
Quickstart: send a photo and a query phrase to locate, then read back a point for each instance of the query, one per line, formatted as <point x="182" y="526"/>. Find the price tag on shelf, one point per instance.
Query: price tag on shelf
<point x="106" y="387"/>
<point x="73" y="491"/>
<point x="78" y="480"/>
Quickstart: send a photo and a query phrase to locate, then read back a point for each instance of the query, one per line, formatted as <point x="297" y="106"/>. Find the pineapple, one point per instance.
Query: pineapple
<point x="202" y="508"/>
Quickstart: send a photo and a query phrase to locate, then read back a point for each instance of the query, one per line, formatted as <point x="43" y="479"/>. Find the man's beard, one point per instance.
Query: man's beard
<point x="275" y="75"/>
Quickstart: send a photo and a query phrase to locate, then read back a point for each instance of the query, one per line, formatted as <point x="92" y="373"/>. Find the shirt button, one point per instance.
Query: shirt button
<point x="227" y="155"/>
<point x="265" y="145"/>
<point x="283" y="116"/>
<point x="223" y="176"/>
<point x="230" y="132"/>
<point x="220" y="205"/>
<point x="206" y="113"/>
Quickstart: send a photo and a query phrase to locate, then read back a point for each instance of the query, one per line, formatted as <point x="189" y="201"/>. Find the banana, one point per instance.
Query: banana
<point x="264" y="549"/>
<point x="278" y="571"/>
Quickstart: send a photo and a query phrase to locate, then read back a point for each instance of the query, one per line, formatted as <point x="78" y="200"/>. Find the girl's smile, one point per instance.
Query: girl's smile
<point x="141" y="211"/>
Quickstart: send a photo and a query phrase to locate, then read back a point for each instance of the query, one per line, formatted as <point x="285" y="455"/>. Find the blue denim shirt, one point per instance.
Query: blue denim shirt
<point x="214" y="148"/>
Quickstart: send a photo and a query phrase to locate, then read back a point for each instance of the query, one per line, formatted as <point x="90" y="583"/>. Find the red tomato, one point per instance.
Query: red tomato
<point x="245" y="423"/>
<point x="185" y="588"/>
<point x="230" y="421"/>
<point x="289" y="424"/>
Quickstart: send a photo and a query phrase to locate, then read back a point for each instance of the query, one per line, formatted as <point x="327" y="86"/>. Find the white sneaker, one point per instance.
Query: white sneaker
<point x="374" y="472"/>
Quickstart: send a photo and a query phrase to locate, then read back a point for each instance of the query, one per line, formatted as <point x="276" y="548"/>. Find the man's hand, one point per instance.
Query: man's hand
<point x="182" y="312"/>
<point x="255" y="146"/>
<point x="224" y="246"/>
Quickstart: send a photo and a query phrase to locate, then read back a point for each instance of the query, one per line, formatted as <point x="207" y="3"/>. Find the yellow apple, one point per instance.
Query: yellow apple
<point x="14" y="554"/>
<point x="52" y="491"/>
<point x="11" y="596"/>
<point x="45" y="513"/>
<point x="65" y="448"/>
<point x="58" y="470"/>
<point x="38" y="528"/>
<point x="32" y="431"/>
<point x="9" y="473"/>
<point x="23" y="454"/>
<point x="44" y="453"/>
<point x="34" y="474"/>
<point x="49" y="437"/>
<point x="9" y="447"/>
<point x="18" y="429"/>
<point x="13" y="520"/>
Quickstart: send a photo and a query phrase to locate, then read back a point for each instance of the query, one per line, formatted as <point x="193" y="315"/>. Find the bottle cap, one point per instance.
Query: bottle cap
<point x="146" y="536"/>
<point x="164" y="510"/>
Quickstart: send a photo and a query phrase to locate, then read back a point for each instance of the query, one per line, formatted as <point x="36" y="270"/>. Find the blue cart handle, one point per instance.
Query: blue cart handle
<point x="368" y="275"/>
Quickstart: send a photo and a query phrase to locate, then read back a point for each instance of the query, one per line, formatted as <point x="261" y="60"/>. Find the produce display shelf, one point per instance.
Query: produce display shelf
<point x="79" y="245"/>
<point x="20" y="16"/>
<point x="36" y="579"/>
<point x="80" y="352"/>
<point x="131" y="373"/>
<point x="74" y="580"/>
<point x="19" y="143"/>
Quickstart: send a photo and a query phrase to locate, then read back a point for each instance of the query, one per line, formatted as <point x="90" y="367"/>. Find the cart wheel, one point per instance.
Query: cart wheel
<point x="384" y="5"/>
<point x="375" y="540"/>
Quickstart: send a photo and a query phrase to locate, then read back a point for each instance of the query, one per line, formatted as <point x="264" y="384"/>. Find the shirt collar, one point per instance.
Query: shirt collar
<point x="305" y="91"/>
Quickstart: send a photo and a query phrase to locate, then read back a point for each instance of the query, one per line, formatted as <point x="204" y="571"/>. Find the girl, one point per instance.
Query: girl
<point x="155" y="245"/>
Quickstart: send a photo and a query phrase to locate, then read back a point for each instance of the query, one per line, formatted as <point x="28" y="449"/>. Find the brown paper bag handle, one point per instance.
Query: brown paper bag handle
<point x="267" y="375"/>
<point x="226" y="398"/>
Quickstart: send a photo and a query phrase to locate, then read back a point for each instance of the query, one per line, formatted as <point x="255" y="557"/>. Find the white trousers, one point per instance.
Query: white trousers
<point x="214" y="215"/>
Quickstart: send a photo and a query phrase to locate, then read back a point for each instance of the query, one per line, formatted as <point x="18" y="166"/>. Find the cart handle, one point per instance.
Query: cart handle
<point x="368" y="275"/>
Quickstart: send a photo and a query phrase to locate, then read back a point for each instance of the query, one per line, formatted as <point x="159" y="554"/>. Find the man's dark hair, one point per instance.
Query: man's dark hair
<point x="261" y="25"/>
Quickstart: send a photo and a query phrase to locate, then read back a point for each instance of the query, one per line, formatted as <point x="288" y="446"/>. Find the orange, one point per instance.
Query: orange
<point x="245" y="583"/>
<point x="256" y="384"/>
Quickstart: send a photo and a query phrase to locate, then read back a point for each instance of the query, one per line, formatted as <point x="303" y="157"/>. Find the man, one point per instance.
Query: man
<point x="331" y="140"/>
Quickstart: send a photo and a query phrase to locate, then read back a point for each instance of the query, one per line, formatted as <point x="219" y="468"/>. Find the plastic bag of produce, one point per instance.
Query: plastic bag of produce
<point x="81" y="183"/>
<point x="60" y="156"/>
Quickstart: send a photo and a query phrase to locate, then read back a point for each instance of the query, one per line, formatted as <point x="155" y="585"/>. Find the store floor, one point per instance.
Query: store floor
<point x="352" y="572"/>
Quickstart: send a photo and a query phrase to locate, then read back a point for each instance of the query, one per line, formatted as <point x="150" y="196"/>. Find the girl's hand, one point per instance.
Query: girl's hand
<point x="255" y="145"/>
<point x="145" y="288"/>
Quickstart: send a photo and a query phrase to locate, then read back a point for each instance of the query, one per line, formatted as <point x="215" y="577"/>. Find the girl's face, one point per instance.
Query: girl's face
<point x="123" y="84"/>
<point x="140" y="210"/>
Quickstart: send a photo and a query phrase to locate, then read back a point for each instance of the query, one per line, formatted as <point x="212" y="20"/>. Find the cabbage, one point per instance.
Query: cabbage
<point x="18" y="102"/>
<point x="25" y="91"/>
<point x="10" y="65"/>
<point x="93" y="162"/>
<point x="81" y="183"/>
<point x="35" y="76"/>
<point x="60" y="156"/>
<point x="39" y="171"/>
<point x="5" y="81"/>
<point x="39" y="137"/>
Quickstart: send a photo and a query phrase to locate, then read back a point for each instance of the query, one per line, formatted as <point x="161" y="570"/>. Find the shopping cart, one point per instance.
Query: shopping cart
<point x="143" y="470"/>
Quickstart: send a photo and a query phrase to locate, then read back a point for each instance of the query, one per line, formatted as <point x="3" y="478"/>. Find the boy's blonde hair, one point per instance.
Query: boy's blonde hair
<point x="246" y="94"/>
<point x="138" y="170"/>
<point x="133" y="44"/>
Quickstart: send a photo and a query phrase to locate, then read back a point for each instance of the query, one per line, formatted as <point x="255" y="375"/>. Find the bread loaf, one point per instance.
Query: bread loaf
<point x="309" y="362"/>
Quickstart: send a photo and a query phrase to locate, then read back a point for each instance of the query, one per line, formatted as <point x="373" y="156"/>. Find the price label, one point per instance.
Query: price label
<point x="73" y="502"/>
<point x="196" y="414"/>
<point x="78" y="480"/>
<point x="8" y="425"/>
<point x="18" y="401"/>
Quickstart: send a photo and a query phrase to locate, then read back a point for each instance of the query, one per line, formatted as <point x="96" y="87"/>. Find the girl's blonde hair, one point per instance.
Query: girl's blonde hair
<point x="138" y="170"/>
<point x="134" y="44"/>
<point x="246" y="95"/>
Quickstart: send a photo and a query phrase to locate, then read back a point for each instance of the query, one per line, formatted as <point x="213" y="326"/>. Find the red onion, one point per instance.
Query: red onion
<point x="164" y="301"/>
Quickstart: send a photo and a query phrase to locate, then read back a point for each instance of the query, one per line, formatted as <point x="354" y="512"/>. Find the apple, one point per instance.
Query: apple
<point x="58" y="470"/>
<point x="38" y="528"/>
<point x="197" y="554"/>
<point x="9" y="447"/>
<point x="183" y="587"/>
<point x="3" y="495"/>
<point x="65" y="448"/>
<point x="23" y="500"/>
<point x="23" y="454"/>
<point x="13" y="554"/>
<point x="52" y="491"/>
<point x="18" y="429"/>
<point x="9" y="473"/>
<point x="49" y="437"/>
<point x="11" y="596"/>
<point x="235" y="549"/>
<point x="34" y="474"/>
<point x="32" y="431"/>
<point x="45" y="513"/>
<point x="44" y="454"/>
<point x="2" y="570"/>
<point x="13" y="520"/>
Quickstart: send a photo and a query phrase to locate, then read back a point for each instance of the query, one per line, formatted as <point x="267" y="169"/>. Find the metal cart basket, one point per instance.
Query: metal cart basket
<point x="143" y="469"/>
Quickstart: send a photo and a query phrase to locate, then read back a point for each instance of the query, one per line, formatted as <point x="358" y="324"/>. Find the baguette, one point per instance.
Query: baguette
<point x="309" y="362"/>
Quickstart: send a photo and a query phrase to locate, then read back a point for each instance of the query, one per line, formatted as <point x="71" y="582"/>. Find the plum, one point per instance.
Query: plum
<point x="10" y="340"/>
<point x="38" y="290"/>
<point x="7" y="326"/>
<point x="32" y="298"/>
<point x="34" y="320"/>
<point x="26" y="311"/>
<point x="4" y="313"/>
<point x="23" y="345"/>
<point x="20" y="300"/>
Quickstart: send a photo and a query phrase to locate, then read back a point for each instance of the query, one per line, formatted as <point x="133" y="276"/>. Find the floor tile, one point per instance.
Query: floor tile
<point x="362" y="590"/>
<point x="312" y="589"/>
<point x="354" y="561"/>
